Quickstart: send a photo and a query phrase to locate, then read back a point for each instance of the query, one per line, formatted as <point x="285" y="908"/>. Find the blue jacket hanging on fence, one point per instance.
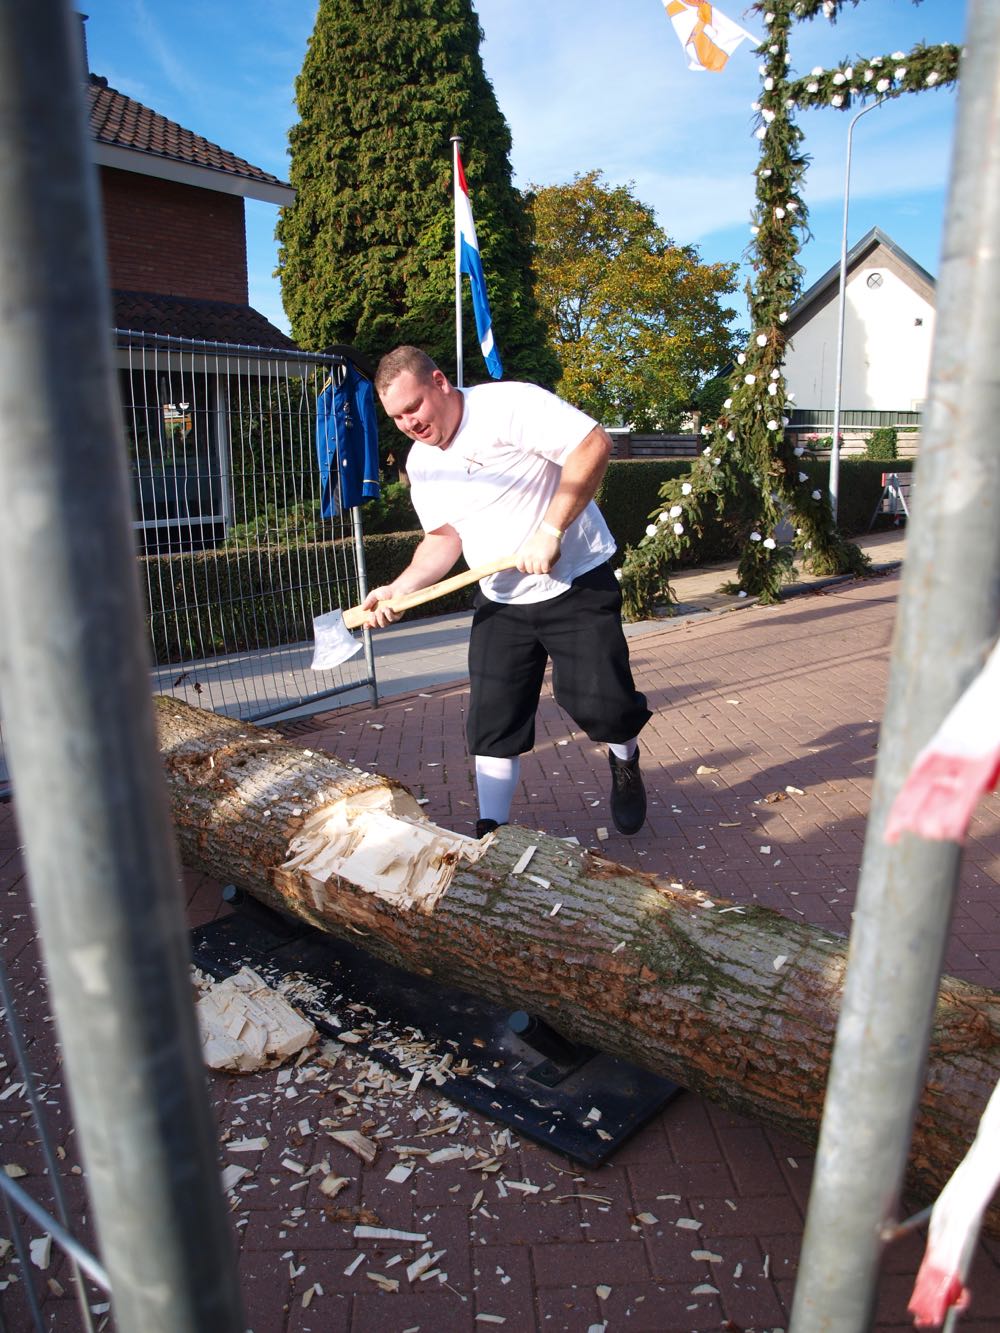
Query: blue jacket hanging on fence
<point x="347" y="441"/>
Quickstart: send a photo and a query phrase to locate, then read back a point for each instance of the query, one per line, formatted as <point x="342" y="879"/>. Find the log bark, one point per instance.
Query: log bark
<point x="735" y="1002"/>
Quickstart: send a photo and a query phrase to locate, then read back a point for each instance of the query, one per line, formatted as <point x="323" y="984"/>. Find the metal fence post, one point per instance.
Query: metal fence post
<point x="949" y="614"/>
<point x="91" y="801"/>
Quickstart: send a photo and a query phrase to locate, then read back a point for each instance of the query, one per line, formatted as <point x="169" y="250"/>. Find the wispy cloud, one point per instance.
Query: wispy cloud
<point x="174" y="67"/>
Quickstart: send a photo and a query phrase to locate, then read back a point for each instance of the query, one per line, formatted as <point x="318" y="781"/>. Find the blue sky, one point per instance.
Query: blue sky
<point x="583" y="86"/>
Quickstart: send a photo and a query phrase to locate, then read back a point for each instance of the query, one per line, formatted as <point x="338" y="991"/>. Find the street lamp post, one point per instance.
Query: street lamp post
<point x="835" y="444"/>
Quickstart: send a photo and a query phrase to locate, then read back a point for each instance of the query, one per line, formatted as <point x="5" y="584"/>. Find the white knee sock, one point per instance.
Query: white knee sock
<point x="496" y="780"/>
<point x="625" y="751"/>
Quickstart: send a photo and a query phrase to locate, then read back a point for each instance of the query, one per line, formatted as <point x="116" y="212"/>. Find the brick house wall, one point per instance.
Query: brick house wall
<point x="174" y="239"/>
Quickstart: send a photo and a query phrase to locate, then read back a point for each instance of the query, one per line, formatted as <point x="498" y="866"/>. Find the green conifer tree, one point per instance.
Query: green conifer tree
<point x="366" y="252"/>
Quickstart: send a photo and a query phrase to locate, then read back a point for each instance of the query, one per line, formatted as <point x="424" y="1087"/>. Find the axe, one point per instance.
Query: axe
<point x="334" y="641"/>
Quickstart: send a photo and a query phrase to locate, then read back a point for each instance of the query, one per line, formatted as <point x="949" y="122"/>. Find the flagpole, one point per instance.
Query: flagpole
<point x="456" y="144"/>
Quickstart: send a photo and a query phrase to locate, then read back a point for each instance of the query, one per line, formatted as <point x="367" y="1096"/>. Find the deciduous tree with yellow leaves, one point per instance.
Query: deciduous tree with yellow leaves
<point x="638" y="323"/>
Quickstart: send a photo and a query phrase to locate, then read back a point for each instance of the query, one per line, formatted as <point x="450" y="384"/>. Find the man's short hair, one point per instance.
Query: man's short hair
<point x="402" y="359"/>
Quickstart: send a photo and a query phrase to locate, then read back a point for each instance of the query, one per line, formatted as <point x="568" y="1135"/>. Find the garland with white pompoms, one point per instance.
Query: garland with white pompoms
<point x="749" y="474"/>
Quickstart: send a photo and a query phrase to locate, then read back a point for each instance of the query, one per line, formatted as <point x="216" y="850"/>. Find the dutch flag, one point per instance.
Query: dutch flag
<point x="470" y="262"/>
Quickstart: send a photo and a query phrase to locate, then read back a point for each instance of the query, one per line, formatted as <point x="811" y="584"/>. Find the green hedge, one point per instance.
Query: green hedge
<point x="207" y="603"/>
<point x="859" y="489"/>
<point x="883" y="444"/>
<point x="630" y="492"/>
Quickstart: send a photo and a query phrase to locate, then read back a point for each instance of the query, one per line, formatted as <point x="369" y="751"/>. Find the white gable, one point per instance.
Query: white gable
<point x="888" y="334"/>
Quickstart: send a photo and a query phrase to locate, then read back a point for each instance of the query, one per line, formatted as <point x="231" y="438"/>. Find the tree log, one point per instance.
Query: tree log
<point x="735" y="1002"/>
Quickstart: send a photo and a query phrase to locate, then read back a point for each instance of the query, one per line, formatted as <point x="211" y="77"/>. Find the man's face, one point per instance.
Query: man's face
<point x="428" y="410"/>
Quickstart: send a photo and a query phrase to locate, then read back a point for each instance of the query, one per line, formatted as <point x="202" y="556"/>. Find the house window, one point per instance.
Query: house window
<point x="874" y="280"/>
<point x="170" y="422"/>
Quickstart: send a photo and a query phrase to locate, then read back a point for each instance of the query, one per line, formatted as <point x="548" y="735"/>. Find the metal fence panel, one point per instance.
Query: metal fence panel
<point x="234" y="557"/>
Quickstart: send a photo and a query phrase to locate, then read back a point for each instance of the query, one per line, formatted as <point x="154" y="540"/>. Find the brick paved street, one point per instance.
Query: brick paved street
<point x="758" y="700"/>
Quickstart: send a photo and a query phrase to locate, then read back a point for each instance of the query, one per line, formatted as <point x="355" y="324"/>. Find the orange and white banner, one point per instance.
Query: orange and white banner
<point x="708" y="37"/>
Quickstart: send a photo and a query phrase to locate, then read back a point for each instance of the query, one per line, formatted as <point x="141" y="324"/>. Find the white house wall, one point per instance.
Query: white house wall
<point x="888" y="332"/>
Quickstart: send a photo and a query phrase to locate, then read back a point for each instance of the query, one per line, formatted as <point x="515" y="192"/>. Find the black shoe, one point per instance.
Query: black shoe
<point x="628" y="795"/>
<point x="484" y="826"/>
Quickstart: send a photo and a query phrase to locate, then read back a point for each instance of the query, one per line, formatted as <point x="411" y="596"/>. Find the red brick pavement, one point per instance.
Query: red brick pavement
<point x="759" y="700"/>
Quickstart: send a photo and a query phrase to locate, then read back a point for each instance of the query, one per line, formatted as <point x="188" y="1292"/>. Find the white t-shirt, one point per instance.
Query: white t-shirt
<point x="494" y="481"/>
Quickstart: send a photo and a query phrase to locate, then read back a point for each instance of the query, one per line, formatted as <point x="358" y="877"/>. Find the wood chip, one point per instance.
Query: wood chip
<point x="41" y="1251"/>
<point x="602" y="835"/>
<point x="688" y="1224"/>
<point x="357" y="1143"/>
<point x="491" y="1319"/>
<point x="400" y="1174"/>
<point x="795" y="791"/>
<point x="247" y="1145"/>
<point x="420" y="1265"/>
<point x="706" y="1256"/>
<point x="386" y="1283"/>
<point x="523" y="859"/>
<point x="647" y="1219"/>
<point x="445" y="1155"/>
<point x="387" y="1233"/>
<point x="354" y="1265"/>
<point x="705" y="768"/>
<point x="594" y="1198"/>
<point x="704" y="1289"/>
<point x="602" y="1292"/>
<point x="780" y="962"/>
<point x="332" y="1185"/>
<point x="232" y="1175"/>
<point x="523" y="1185"/>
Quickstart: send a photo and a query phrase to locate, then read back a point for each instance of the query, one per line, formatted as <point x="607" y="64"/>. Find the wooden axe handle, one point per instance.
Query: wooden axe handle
<point x="355" y="616"/>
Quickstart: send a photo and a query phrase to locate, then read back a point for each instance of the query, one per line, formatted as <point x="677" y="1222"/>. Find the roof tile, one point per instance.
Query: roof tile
<point x="189" y="317"/>
<point x="122" y="122"/>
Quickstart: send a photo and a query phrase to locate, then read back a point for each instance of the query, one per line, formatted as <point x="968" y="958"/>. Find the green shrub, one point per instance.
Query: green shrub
<point x="858" y="490"/>
<point x="882" y="444"/>
<point x="392" y="512"/>
<point x="630" y="493"/>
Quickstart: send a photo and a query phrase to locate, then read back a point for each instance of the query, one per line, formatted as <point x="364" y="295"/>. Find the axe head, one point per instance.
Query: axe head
<point x="334" y="642"/>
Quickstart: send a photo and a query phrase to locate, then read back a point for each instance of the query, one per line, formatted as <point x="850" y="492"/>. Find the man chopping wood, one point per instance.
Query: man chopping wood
<point x="509" y="467"/>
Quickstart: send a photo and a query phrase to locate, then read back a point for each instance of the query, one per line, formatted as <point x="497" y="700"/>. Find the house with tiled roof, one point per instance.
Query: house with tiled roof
<point x="173" y="205"/>
<point x="175" y="233"/>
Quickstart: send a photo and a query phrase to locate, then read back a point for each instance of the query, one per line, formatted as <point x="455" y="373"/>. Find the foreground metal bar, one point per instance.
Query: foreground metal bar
<point x="101" y="861"/>
<point x="948" y="618"/>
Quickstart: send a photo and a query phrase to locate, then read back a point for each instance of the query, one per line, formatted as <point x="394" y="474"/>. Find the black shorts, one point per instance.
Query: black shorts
<point x="581" y="631"/>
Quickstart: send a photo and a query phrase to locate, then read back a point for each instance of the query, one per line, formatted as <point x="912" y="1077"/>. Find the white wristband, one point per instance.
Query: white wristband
<point x="551" y="529"/>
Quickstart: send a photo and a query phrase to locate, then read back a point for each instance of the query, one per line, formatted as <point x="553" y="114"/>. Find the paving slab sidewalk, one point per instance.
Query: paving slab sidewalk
<point x="762" y="700"/>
